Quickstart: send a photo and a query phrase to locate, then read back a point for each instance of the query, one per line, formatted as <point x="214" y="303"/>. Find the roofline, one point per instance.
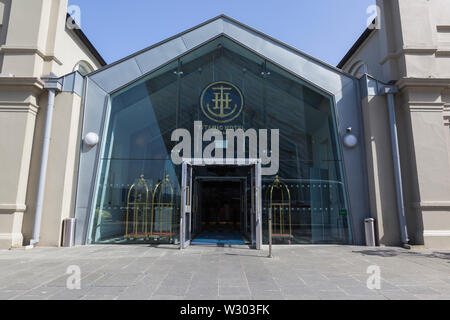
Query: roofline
<point x="289" y="47"/>
<point x="82" y="37"/>
<point x="366" y="34"/>
<point x="155" y="45"/>
<point x="294" y="74"/>
<point x="223" y="16"/>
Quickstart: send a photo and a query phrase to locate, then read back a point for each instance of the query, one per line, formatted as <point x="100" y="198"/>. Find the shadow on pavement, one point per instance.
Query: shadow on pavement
<point x="397" y="253"/>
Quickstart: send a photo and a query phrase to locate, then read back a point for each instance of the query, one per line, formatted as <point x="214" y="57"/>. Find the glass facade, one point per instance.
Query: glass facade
<point x="137" y="196"/>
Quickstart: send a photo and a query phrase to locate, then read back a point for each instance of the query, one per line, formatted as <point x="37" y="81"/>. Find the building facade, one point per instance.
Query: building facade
<point x="216" y="133"/>
<point x="36" y="43"/>
<point x="411" y="49"/>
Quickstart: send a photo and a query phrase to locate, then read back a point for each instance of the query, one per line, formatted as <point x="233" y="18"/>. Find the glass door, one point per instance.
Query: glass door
<point x="186" y="206"/>
<point x="256" y="205"/>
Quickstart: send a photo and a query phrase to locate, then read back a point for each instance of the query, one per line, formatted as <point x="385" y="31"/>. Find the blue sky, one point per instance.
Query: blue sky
<point x="325" y="29"/>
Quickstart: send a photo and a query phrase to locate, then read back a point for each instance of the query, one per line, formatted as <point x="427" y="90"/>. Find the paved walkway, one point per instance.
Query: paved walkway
<point x="300" y="272"/>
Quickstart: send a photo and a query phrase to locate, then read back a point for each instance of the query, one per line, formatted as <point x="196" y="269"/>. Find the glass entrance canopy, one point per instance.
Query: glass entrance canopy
<point x="137" y="195"/>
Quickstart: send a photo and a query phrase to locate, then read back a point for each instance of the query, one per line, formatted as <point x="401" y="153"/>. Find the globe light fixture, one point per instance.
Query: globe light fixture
<point x="350" y="140"/>
<point x="91" y="139"/>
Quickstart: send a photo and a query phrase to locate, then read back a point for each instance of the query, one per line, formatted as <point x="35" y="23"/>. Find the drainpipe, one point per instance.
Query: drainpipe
<point x="53" y="86"/>
<point x="390" y="91"/>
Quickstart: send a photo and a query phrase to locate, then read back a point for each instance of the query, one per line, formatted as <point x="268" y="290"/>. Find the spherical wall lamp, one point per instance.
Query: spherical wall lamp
<point x="91" y="139"/>
<point x="350" y="140"/>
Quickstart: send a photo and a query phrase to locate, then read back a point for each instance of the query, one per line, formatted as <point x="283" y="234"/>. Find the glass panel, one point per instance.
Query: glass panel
<point x="312" y="206"/>
<point x="137" y="152"/>
<point x="187" y="204"/>
<point x="126" y="212"/>
<point x="136" y="156"/>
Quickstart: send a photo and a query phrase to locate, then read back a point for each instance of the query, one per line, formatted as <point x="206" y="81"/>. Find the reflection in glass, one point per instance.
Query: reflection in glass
<point x="138" y="144"/>
<point x="161" y="224"/>
<point x="279" y="197"/>
<point x="137" y="209"/>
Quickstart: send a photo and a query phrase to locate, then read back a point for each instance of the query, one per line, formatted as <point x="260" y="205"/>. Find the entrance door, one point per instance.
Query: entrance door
<point x="186" y="206"/>
<point x="256" y="203"/>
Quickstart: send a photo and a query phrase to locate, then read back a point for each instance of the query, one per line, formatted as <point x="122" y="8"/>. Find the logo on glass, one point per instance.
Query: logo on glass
<point x="222" y="102"/>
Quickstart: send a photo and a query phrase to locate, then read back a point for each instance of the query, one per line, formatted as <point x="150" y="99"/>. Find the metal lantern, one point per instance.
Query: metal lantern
<point x="280" y="207"/>
<point x="137" y="204"/>
<point x="162" y="210"/>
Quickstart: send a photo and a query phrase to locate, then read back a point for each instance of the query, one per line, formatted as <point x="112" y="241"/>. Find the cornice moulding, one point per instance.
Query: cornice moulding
<point x="22" y="81"/>
<point x="25" y="107"/>
<point x="432" y="205"/>
<point x="408" y="50"/>
<point x="30" y="50"/>
<point x="443" y="83"/>
<point x="13" y="207"/>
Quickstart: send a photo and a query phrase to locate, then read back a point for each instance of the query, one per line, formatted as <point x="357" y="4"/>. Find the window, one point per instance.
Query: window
<point x="359" y="69"/>
<point x="83" y="68"/>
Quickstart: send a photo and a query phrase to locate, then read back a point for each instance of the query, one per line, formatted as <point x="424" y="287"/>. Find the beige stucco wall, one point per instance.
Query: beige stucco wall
<point x="18" y="110"/>
<point x="369" y="54"/>
<point x="34" y="42"/>
<point x="380" y="169"/>
<point x="38" y="41"/>
<point x="412" y="48"/>
<point x="61" y="174"/>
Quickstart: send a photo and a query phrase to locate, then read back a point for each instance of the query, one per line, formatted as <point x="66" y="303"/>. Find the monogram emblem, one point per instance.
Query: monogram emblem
<point x="222" y="102"/>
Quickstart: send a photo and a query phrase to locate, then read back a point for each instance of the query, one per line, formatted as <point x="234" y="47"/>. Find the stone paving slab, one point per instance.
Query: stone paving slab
<point x="142" y="272"/>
